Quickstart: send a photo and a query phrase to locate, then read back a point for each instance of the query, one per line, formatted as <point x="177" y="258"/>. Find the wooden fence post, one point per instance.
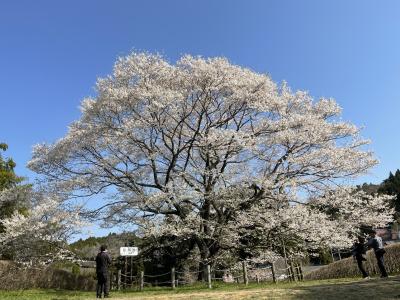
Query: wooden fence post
<point x="131" y="271"/>
<point x="296" y="271"/>
<point x="119" y="279"/>
<point x="245" y="278"/>
<point x="333" y="257"/>
<point x="286" y="260"/>
<point x="292" y="271"/>
<point x="126" y="273"/>
<point x="288" y="274"/>
<point x="173" y="277"/>
<point x="209" y="276"/>
<point x="301" y="272"/>
<point x="141" y="280"/>
<point x="111" y="280"/>
<point x="273" y="273"/>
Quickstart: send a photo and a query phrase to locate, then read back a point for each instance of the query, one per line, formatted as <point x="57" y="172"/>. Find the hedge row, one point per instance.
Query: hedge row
<point x="12" y="278"/>
<point x="348" y="267"/>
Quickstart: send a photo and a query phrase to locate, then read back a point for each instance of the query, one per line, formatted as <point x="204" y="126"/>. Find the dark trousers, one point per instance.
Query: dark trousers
<point x="102" y="284"/>
<point x="361" y="267"/>
<point x="381" y="263"/>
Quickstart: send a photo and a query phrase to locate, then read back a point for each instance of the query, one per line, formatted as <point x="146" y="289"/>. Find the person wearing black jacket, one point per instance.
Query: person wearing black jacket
<point x="358" y="251"/>
<point x="103" y="260"/>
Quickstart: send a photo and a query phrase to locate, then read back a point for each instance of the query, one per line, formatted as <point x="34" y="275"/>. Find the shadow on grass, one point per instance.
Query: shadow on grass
<point x="375" y="288"/>
<point x="338" y="289"/>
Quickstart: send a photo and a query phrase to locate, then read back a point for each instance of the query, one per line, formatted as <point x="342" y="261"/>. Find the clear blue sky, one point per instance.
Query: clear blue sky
<point x="51" y="53"/>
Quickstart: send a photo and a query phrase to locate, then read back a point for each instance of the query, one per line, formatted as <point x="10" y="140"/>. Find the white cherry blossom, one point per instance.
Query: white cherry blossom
<point x="213" y="152"/>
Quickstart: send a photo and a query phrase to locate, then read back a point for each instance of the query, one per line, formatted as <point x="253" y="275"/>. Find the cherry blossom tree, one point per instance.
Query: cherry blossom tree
<point x="209" y="152"/>
<point x="39" y="233"/>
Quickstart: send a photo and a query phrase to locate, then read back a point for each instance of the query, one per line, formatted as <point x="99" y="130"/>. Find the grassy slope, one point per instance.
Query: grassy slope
<point x="348" y="267"/>
<point x="323" y="289"/>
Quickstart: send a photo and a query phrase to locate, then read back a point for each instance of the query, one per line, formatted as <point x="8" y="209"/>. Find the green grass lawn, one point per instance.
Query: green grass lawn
<point x="338" y="289"/>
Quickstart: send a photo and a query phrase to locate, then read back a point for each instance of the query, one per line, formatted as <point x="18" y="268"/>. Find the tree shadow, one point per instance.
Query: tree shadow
<point x="375" y="288"/>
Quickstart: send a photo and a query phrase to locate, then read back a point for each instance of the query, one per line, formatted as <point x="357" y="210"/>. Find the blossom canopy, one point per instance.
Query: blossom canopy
<point x="210" y="152"/>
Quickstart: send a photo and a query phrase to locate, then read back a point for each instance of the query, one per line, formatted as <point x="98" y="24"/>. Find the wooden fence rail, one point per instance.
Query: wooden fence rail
<point x="126" y="280"/>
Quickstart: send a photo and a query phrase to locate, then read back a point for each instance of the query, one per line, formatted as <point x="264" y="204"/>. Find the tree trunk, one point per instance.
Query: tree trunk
<point x="204" y="259"/>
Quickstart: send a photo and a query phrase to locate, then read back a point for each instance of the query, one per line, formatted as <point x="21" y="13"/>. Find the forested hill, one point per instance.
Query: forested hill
<point x="88" y="248"/>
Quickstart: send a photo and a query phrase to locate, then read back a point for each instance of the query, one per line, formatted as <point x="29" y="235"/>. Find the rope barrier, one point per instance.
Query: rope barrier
<point x="280" y="275"/>
<point x="191" y="272"/>
<point x="161" y="282"/>
<point x="215" y="278"/>
<point x="265" y="268"/>
<point x="182" y="282"/>
<point x="128" y="276"/>
<point x="222" y="270"/>
<point x="159" y="275"/>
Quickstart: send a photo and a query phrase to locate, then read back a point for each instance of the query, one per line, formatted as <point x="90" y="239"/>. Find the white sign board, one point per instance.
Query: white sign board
<point x="128" y="251"/>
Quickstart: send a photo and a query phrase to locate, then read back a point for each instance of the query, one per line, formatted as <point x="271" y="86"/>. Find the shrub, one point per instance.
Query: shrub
<point x="325" y="256"/>
<point x="348" y="267"/>
<point x="76" y="270"/>
<point x="13" y="277"/>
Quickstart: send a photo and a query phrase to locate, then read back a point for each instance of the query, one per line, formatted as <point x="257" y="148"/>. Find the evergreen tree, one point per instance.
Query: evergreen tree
<point x="8" y="180"/>
<point x="391" y="186"/>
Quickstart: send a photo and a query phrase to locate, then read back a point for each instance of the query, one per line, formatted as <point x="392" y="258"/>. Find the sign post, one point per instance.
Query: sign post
<point x="128" y="251"/>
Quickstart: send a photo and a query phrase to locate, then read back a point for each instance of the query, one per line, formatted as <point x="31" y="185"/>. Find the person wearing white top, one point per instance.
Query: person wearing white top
<point x="375" y="242"/>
